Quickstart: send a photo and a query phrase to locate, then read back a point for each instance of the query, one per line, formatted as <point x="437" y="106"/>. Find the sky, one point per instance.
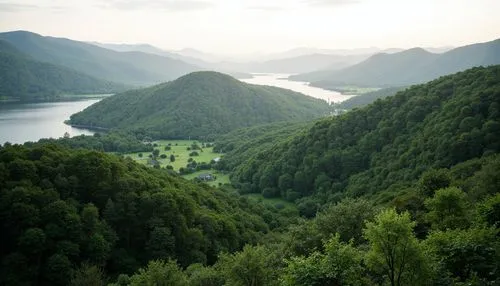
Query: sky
<point x="257" y="26"/>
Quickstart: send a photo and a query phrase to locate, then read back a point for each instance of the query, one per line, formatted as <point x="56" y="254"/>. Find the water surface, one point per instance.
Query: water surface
<point x="280" y="80"/>
<point x="22" y="122"/>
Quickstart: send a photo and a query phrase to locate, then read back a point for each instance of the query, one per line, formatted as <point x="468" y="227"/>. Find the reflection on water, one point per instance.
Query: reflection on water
<point x="21" y="122"/>
<point x="280" y="80"/>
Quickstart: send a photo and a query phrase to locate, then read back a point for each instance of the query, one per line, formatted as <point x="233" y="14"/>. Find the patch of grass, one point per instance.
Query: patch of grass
<point x="178" y="148"/>
<point x="276" y="202"/>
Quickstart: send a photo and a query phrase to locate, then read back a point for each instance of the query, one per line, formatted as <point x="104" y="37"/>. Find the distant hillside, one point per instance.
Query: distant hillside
<point x="202" y="64"/>
<point x="306" y="63"/>
<point x="26" y="79"/>
<point x="408" y="67"/>
<point x="197" y="105"/>
<point x="367" y="98"/>
<point x="127" y="67"/>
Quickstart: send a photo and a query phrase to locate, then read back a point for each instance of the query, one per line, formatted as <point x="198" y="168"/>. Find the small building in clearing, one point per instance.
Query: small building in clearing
<point x="205" y="177"/>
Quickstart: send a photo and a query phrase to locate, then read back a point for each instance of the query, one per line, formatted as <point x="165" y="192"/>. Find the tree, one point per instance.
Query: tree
<point x="172" y="158"/>
<point x="394" y="250"/>
<point x="159" y="273"/>
<point x="156" y="152"/>
<point x="200" y="275"/>
<point x="339" y="265"/>
<point x="347" y="218"/>
<point x="250" y="267"/>
<point x="448" y="208"/>
<point x="467" y="254"/>
<point x="489" y="211"/>
<point x="88" y="275"/>
<point x="434" y="180"/>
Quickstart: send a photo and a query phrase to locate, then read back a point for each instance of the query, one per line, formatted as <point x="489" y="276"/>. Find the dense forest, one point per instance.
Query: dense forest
<point x="385" y="146"/>
<point x="401" y="192"/>
<point x="407" y="67"/>
<point x="26" y="79"/>
<point x="63" y="209"/>
<point x="116" y="142"/>
<point x="199" y="105"/>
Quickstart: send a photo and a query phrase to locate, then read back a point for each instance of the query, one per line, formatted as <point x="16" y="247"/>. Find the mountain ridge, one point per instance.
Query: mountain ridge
<point x="134" y="68"/>
<point x="411" y="66"/>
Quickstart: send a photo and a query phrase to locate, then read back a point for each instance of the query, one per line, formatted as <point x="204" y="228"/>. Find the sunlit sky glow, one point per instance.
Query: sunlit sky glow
<point x="246" y="26"/>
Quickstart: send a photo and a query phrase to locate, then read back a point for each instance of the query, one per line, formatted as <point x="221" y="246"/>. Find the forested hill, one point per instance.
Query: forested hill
<point x="61" y="209"/>
<point x="26" y="79"/>
<point x="386" y="145"/>
<point x="134" y="68"/>
<point x="407" y="67"/>
<point x="198" y="105"/>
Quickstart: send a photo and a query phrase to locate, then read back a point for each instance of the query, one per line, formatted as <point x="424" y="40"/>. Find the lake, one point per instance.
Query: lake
<point x="21" y="122"/>
<point x="280" y="80"/>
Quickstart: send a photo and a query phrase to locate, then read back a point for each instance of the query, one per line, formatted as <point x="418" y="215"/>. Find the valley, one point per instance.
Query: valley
<point x="240" y="143"/>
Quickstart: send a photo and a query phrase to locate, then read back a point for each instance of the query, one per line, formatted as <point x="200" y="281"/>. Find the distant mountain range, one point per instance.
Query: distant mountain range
<point x="23" y="78"/>
<point x="133" y="67"/>
<point x="407" y="67"/>
<point x="199" y="105"/>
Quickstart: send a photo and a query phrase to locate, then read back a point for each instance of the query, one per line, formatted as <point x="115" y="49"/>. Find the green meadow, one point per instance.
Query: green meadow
<point x="179" y="148"/>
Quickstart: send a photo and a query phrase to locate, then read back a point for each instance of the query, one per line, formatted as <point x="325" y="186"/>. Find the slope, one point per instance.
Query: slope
<point x="26" y="79"/>
<point x="387" y="144"/>
<point x="126" y="67"/>
<point x="407" y="67"/>
<point x="62" y="208"/>
<point x="197" y="105"/>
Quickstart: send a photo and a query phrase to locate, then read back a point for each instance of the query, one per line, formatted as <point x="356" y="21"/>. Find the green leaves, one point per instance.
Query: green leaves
<point x="394" y="250"/>
<point x="448" y="209"/>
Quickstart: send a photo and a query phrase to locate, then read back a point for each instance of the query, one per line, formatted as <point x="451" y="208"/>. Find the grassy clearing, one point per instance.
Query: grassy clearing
<point x="221" y="178"/>
<point x="179" y="148"/>
<point x="272" y="201"/>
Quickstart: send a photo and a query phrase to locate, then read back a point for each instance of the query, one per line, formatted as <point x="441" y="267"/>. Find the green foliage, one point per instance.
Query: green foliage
<point x="434" y="180"/>
<point x="467" y="253"/>
<point x="119" y="142"/>
<point x="386" y="146"/>
<point x="26" y="79"/>
<point x="339" y="265"/>
<point x="367" y="98"/>
<point x="489" y="211"/>
<point x="448" y="209"/>
<point x="250" y="267"/>
<point x="63" y="207"/>
<point x="88" y="275"/>
<point x="346" y="218"/>
<point x="199" y="105"/>
<point x="200" y="275"/>
<point x="159" y="273"/>
<point x="394" y="251"/>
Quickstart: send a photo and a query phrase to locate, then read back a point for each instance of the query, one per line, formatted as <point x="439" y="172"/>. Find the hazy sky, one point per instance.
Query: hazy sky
<point x="245" y="26"/>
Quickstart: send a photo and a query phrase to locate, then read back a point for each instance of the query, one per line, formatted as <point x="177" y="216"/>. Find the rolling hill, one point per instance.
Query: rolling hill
<point x="134" y="68"/>
<point x="384" y="146"/>
<point x="23" y="78"/>
<point x="198" y="105"/>
<point x="407" y="67"/>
